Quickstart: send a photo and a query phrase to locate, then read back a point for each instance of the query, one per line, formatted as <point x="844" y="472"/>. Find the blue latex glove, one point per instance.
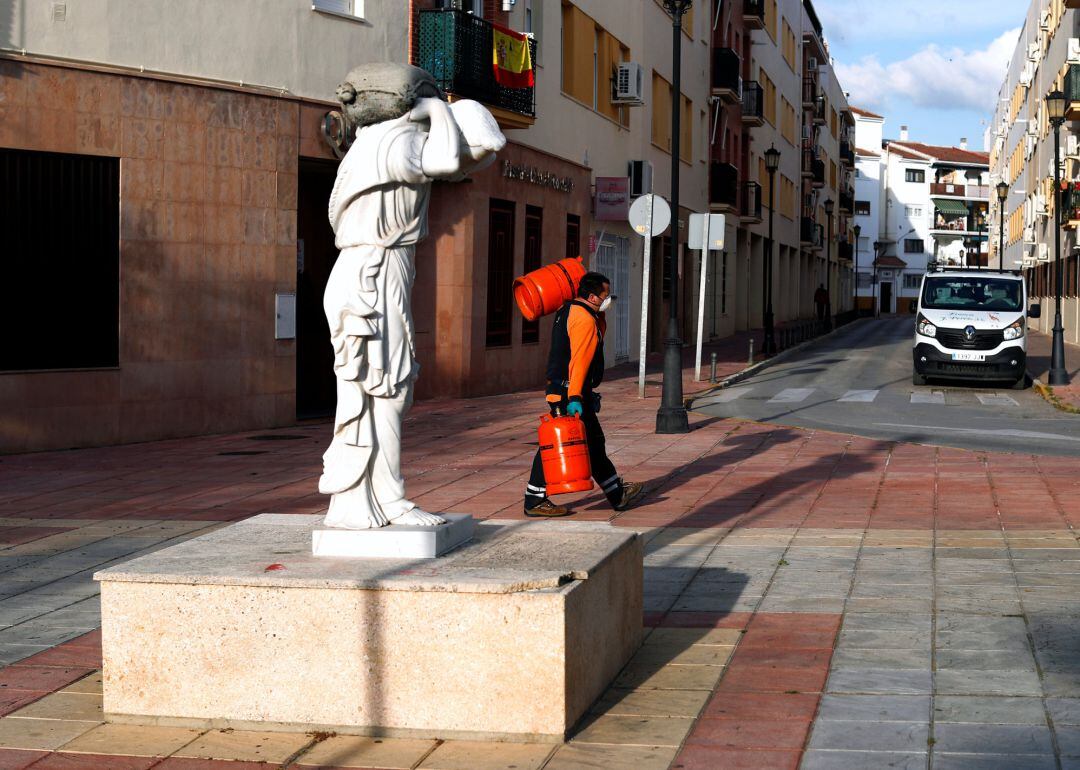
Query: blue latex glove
<point x="574" y="409"/>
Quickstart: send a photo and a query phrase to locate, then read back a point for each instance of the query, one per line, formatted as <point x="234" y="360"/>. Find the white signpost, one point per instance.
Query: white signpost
<point x="650" y="215"/>
<point x="706" y="232"/>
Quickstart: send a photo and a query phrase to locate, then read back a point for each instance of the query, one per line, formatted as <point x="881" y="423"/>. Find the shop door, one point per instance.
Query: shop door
<point x="613" y="260"/>
<point x="315" y="256"/>
<point x="886" y="297"/>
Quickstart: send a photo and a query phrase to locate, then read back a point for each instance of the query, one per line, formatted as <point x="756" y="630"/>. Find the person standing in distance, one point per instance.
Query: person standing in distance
<point x="575" y="368"/>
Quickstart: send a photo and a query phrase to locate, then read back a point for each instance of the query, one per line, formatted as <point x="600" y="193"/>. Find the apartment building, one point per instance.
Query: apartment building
<point x="791" y="100"/>
<point x="1020" y="139"/>
<point x="934" y="208"/>
<point x="869" y="129"/>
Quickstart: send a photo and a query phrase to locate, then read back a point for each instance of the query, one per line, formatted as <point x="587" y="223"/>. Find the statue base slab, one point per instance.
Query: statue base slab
<point x="396" y="541"/>
<point x="512" y="635"/>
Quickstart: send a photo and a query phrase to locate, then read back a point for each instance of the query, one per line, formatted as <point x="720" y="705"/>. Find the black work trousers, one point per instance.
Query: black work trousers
<point x="603" y="471"/>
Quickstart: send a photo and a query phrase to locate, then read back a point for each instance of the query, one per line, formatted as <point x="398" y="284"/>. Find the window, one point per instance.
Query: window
<point x="534" y="218"/>
<point x="914" y="175"/>
<point x="768" y="97"/>
<point x="661" y="113"/>
<point x="864" y="281"/>
<point x="590" y="58"/>
<point x="913" y="246"/>
<point x="573" y="236"/>
<point x="912" y="280"/>
<point x="500" y="272"/>
<point x="787" y="118"/>
<point x="356" y="7"/>
<point x="686" y="124"/>
<point x="913" y="212"/>
<point x="60" y="221"/>
<point x="858" y="174"/>
<point x="862" y="208"/>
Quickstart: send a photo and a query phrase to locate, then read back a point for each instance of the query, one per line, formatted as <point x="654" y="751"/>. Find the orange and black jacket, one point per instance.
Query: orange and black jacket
<point x="576" y="363"/>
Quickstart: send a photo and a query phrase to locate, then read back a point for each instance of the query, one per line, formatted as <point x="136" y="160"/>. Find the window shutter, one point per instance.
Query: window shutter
<point x="338" y="6"/>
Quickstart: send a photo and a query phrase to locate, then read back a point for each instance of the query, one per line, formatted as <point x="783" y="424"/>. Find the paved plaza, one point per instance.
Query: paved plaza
<point x="812" y="599"/>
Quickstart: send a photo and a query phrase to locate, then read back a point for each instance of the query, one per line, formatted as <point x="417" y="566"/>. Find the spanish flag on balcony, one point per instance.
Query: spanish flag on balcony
<point x="512" y="59"/>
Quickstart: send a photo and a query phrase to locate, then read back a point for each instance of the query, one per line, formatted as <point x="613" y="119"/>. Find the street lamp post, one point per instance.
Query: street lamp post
<point x="855" y="289"/>
<point x="1055" y="105"/>
<point x="768" y="345"/>
<point x="828" y="206"/>
<point x="1002" y="196"/>
<point x="671" y="416"/>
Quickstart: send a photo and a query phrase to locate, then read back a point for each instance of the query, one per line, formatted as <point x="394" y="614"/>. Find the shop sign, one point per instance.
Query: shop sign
<point x="533" y="175"/>
<point x="612" y="198"/>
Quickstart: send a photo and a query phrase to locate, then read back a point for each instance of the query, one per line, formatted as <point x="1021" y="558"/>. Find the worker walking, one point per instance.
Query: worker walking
<point x="575" y="368"/>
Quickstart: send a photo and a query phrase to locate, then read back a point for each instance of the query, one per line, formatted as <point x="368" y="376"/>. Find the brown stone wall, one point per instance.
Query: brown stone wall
<point x="208" y="181"/>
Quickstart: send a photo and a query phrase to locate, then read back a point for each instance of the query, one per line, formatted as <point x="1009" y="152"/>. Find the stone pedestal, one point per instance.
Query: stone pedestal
<point x="512" y="635"/>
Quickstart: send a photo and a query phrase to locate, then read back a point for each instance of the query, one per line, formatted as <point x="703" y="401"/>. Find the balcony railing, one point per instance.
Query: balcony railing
<point x="845" y="251"/>
<point x="726" y="77"/>
<point x="847" y="201"/>
<point x="753" y="14"/>
<point x="960" y="190"/>
<point x="1072" y="92"/>
<point x="809" y="90"/>
<point x="819" y="172"/>
<point x="847" y="153"/>
<point x="808" y="158"/>
<point x="723" y="185"/>
<point x="819" y="112"/>
<point x="751" y="202"/>
<point x="806" y="230"/>
<point x="752" y="103"/>
<point x="455" y="47"/>
<point x="957" y="222"/>
<point x="1070" y="205"/>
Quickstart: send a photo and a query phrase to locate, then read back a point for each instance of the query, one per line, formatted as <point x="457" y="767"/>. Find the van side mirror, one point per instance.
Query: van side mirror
<point x="1035" y="310"/>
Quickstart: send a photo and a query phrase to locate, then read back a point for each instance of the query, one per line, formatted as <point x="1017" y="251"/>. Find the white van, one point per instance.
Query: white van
<point x="971" y="324"/>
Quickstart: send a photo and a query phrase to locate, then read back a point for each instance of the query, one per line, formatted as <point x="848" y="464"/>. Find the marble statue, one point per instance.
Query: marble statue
<point x="406" y="137"/>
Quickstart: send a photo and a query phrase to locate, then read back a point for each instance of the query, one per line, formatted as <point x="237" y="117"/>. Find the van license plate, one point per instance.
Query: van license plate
<point x="968" y="356"/>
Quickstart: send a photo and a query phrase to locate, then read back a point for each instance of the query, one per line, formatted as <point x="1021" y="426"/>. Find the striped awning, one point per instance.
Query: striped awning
<point x="951" y="207"/>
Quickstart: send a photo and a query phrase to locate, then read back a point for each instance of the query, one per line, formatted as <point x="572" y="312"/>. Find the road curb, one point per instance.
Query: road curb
<point x="753" y="369"/>
<point x="1050" y="397"/>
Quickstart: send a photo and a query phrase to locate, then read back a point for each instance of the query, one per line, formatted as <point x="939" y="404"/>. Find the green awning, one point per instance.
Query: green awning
<point x="947" y="206"/>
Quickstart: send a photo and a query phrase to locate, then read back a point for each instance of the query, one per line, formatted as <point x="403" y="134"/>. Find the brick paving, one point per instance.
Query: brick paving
<point x="811" y="599"/>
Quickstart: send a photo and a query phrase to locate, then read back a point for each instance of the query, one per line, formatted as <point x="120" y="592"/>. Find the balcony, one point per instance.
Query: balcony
<point x="726" y="80"/>
<point x="847" y="153"/>
<point x="845" y="251"/>
<point x="847" y="201"/>
<point x="753" y="104"/>
<point x="1072" y="92"/>
<point x="723" y="187"/>
<point x="819" y="112"/>
<point x="809" y="90"/>
<point x="753" y="14"/>
<point x="455" y="47"/>
<point x="809" y="155"/>
<point x="751" y="203"/>
<point x="819" y="172"/>
<point x="807" y="230"/>
<point x="981" y="192"/>
<point x="1070" y="205"/>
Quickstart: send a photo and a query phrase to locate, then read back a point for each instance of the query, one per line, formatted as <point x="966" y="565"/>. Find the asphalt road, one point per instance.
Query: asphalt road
<point x="858" y="381"/>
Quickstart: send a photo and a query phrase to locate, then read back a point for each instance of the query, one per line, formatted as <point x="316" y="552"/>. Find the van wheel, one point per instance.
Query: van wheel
<point x="917" y="379"/>
<point x="1020" y="384"/>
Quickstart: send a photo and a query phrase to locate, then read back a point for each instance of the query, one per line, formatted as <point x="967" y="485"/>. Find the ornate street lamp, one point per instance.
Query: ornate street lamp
<point x="772" y="162"/>
<point x="828" y="206"/>
<point x="1002" y="196"/>
<point x="855" y="289"/>
<point x="1055" y="108"/>
<point x="671" y="416"/>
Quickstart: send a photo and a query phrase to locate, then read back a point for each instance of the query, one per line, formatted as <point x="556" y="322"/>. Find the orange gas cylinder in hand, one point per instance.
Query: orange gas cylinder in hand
<point x="565" y="455"/>
<point x="545" y="290"/>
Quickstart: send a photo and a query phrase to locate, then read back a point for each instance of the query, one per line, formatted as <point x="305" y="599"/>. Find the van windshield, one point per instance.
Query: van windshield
<point x="972" y="293"/>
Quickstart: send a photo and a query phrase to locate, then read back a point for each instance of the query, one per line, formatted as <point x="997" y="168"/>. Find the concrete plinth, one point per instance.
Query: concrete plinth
<point x="513" y="634"/>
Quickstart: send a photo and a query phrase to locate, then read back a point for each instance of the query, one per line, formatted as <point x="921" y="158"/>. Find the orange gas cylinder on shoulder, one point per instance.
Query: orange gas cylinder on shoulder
<point x="545" y="290"/>
<point x="565" y="455"/>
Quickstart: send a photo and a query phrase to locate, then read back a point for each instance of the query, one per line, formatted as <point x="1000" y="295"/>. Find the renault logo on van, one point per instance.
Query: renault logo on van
<point x="969" y="333"/>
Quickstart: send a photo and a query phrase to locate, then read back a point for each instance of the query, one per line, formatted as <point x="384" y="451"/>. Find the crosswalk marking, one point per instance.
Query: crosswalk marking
<point x="996" y="399"/>
<point x="862" y="396"/>
<point x="791" y="396"/>
<point x="725" y="396"/>
<point x="933" y="397"/>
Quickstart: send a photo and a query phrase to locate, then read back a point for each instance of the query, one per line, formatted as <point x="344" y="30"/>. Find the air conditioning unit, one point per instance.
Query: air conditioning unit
<point x="1044" y="252"/>
<point x="629" y="83"/>
<point x="807" y="132"/>
<point x="1072" y="145"/>
<point x="1029" y="146"/>
<point x="1029" y="234"/>
<point x="1040" y="206"/>
<point x="1034" y="52"/>
<point x="1027" y="74"/>
<point x="811" y="64"/>
<point x="1074" y="50"/>
<point x="1044" y="21"/>
<point x="640" y="173"/>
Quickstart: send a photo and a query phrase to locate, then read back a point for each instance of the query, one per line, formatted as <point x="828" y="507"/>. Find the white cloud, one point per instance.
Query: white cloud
<point x="935" y="77"/>
<point x="849" y="21"/>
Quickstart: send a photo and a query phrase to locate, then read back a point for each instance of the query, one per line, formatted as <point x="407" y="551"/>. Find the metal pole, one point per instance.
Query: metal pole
<point x="768" y="345"/>
<point x="1001" y="234"/>
<point x="1058" y="375"/>
<point x="701" y="296"/>
<point x="671" y="416"/>
<point x="828" y="277"/>
<point x="855" y="282"/>
<point x="646" y="259"/>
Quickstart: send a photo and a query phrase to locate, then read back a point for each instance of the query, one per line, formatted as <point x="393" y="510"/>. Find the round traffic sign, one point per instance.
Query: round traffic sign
<point x="639" y="215"/>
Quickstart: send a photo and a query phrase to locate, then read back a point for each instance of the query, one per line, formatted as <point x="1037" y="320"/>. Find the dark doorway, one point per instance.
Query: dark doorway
<point x="530" y="330"/>
<point x="315" y="256"/>
<point x="500" y="273"/>
<point x="886" y="297"/>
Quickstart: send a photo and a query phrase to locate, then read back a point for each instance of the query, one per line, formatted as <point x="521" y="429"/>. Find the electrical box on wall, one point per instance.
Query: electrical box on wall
<point x="284" y="316"/>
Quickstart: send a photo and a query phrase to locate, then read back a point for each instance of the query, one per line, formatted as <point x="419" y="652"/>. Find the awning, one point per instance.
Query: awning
<point x="948" y="206"/>
<point x="890" y="261"/>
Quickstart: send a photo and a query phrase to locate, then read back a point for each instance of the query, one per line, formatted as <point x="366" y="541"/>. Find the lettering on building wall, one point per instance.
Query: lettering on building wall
<point x="533" y="175"/>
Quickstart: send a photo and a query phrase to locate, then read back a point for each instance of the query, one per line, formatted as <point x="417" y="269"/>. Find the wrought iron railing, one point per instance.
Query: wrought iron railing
<point x="753" y="102"/>
<point x="754" y="8"/>
<point x="723" y="184"/>
<point x="726" y="70"/>
<point x="456" y="48"/>
<point x="751" y="200"/>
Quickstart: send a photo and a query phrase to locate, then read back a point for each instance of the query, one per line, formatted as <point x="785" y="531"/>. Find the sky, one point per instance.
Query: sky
<point x="932" y="65"/>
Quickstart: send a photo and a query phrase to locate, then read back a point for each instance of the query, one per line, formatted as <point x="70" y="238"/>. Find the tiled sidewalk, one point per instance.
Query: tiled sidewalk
<point x="811" y="598"/>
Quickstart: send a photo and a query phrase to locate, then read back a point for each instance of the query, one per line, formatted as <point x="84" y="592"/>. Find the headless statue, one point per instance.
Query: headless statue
<point x="407" y="136"/>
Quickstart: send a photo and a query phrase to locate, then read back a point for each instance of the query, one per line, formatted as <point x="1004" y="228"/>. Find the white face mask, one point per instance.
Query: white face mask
<point x="606" y="303"/>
